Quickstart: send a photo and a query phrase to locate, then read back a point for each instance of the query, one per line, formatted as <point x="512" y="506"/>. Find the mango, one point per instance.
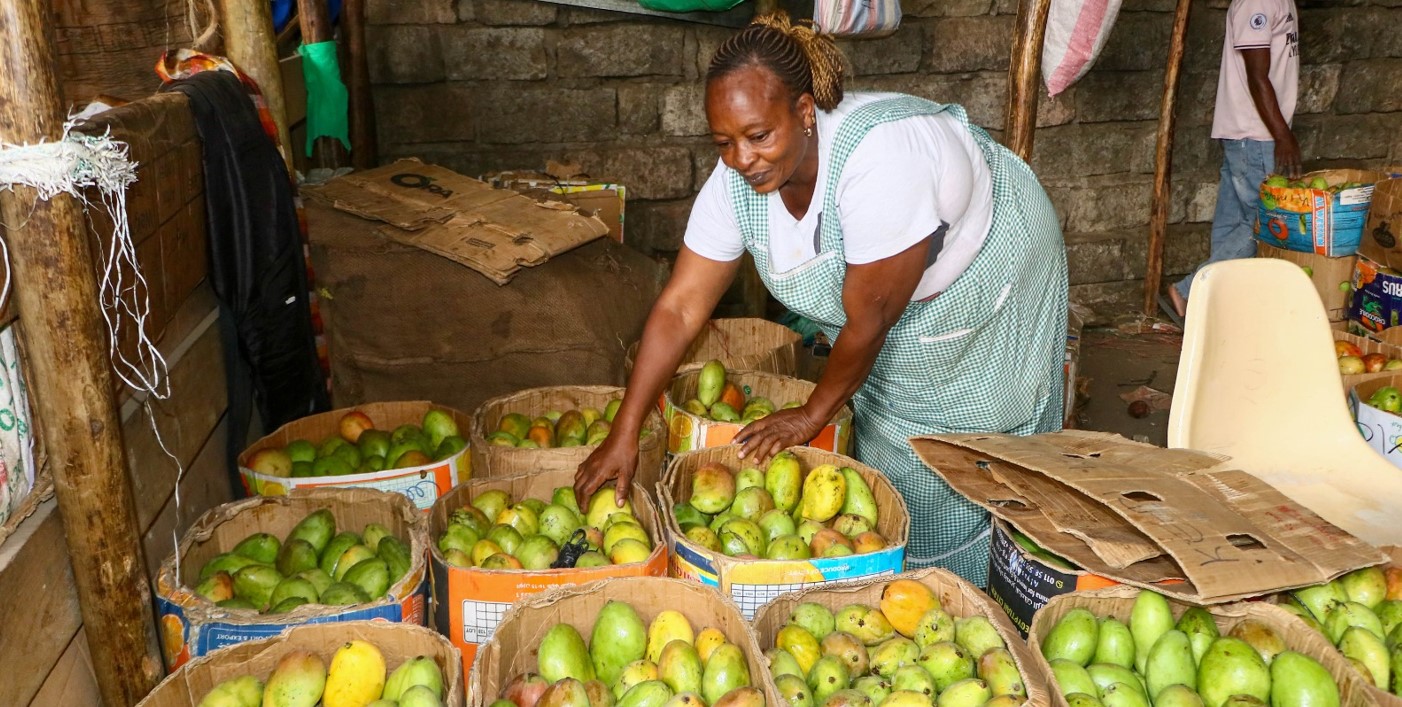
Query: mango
<point x="1170" y="663"/>
<point x="875" y="687"/>
<point x="1123" y="695"/>
<point x="667" y="626"/>
<point x="336" y="547"/>
<point x="288" y="604"/>
<point x="353" y="556"/>
<point x="696" y="408"/>
<point x="947" y="663"/>
<point x="705" y="537"/>
<point x="824" y="492"/>
<point x="619" y="638"/>
<point x="298" y="680"/>
<point x="800" y="644"/>
<point x="504" y="439"/>
<point x="858" y="499"/>
<point x="416" y="696"/>
<point x="1367" y="586"/>
<point x="825" y="540"/>
<point x="908" y="698"/>
<point x="1114" y="644"/>
<point x="781" y="662"/>
<point x="977" y="635"/>
<point x="628" y="551"/>
<point x="521" y="517"/>
<point x="1150" y="618"/>
<point x="836" y="550"/>
<point x="1106" y="674"/>
<point x="783" y="479"/>
<point x="850" y="524"/>
<point x="904" y="602"/>
<point x="255" y="584"/>
<point x="752" y="502"/>
<point x="869" y="625"/>
<point x="688" y="517"/>
<point x="420" y="670"/>
<point x="892" y="655"/>
<point x="848" y="649"/>
<point x="316" y="528"/>
<point x="1350" y="614"/>
<point x="563" y="654"/>
<point x="997" y="668"/>
<point x="724" y="412"/>
<point x="1395" y="668"/>
<point x="1298" y="681"/>
<point x="712" y="488"/>
<point x="965" y="693"/>
<point x="684" y="699"/>
<point x="1081" y="699"/>
<point x="227" y="562"/>
<point x="603" y="504"/>
<point x="571" y="430"/>
<point x="1389" y="613"/>
<point x="815" y="618"/>
<point x="707" y="640"/>
<point x="1071" y="677"/>
<point x="455" y="537"/>
<point x="592" y="558"/>
<point x="680" y="666"/>
<point x="1259" y="636"/>
<point x="566" y="692"/>
<point x="598" y="693"/>
<point x="748" y="477"/>
<point x="809" y="529"/>
<point x="794" y="690"/>
<point x="1232" y="667"/>
<point x="217" y="587"/>
<point x="848" y="698"/>
<point x="934" y="626"/>
<point x="1364" y="646"/>
<point x="1200" y="628"/>
<point x="259" y="547"/>
<point x="725" y="670"/>
<point x="748" y="532"/>
<point x="1304" y="614"/>
<point x="295" y="555"/>
<point x="1075" y="637"/>
<point x="1321" y="600"/>
<point x="294" y="587"/>
<point x="457" y="558"/>
<point x="558" y="523"/>
<point x="491" y="503"/>
<point x="356" y="675"/>
<point x="635" y="673"/>
<point x="344" y="594"/>
<point x="524" y="690"/>
<point x="236" y="605"/>
<point x="913" y="678"/>
<point x="709" y="386"/>
<point x="742" y="697"/>
<point x="1178" y="696"/>
<point x="242" y="691"/>
<point x="505" y="537"/>
<point x="514" y="424"/>
<point x="371" y="575"/>
<point x="828" y="675"/>
<point x="537" y="552"/>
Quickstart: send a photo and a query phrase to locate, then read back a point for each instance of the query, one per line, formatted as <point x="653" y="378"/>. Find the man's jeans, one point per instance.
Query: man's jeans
<point x="1245" y="164"/>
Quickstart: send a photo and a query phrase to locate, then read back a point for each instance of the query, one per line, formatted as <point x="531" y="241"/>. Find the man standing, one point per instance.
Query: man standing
<point x="1255" y="102"/>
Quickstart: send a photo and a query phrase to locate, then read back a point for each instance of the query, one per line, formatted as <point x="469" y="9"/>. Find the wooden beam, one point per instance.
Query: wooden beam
<point x="56" y="296"/>
<point x="364" y="146"/>
<point x="250" y="43"/>
<point x="327" y="152"/>
<point x="1025" y="76"/>
<point x="1163" y="159"/>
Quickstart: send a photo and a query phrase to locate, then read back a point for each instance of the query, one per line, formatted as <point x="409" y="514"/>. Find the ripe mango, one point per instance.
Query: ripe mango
<point x="1150" y="618"/>
<point x="869" y="625"/>
<point x="563" y="654"/>
<point x="971" y="692"/>
<point x="935" y="625"/>
<point x="457" y="558"/>
<point x="848" y="649"/>
<point x="783" y="479"/>
<point x="907" y="698"/>
<point x="1298" y="681"/>
<point x="977" y="635"/>
<point x="522" y="517"/>
<point x="824" y="540"/>
<point x="1260" y="636"/>
<point x="794" y="690"/>
<point x="815" y="618"/>
<point x="217" y="587"/>
<point x="417" y="671"/>
<point x="1075" y="636"/>
<point x="705" y="537"/>
<point x="680" y="667"/>
<point x="1200" y="628"/>
<point x="524" y="690"/>
<point x="748" y="532"/>
<point x="1170" y="663"/>
<point x="598" y="432"/>
<point x="824" y="492"/>
<point x="732" y="395"/>
<point x="725" y="670"/>
<point x="828" y="675"/>
<point x="997" y="668"/>
<point x="619" y="638"/>
<point x="298" y="680"/>
<point x="1232" y="667"/>
<point x="709" y="386"/>
<point x="892" y="655"/>
<point x="707" y="640"/>
<point x="537" y="552"/>
<point x="571" y="430"/>
<point x="667" y="626"/>
<point x="684" y="699"/>
<point x="875" y="687"/>
<point x="514" y="424"/>
<point x="598" y="693"/>
<point x="566" y="692"/>
<point x="947" y="663"/>
<point x="751" y="503"/>
<point x="633" y="674"/>
<point x="242" y="691"/>
<point x="1114" y="644"/>
<point x="741" y="697"/>
<point x="801" y="645"/>
<point x="851" y="524"/>
<point x="604" y="503"/>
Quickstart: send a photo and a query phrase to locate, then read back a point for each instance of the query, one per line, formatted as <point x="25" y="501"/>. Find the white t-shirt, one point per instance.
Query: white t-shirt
<point x="1256" y="24"/>
<point x="907" y="180"/>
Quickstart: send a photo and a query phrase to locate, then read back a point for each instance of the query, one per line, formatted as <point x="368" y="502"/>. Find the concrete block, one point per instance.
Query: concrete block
<point x="609" y="50"/>
<point x="495" y="53"/>
<point x="515" y="113"/>
<point x="956" y="44"/>
<point x="404" y="54"/>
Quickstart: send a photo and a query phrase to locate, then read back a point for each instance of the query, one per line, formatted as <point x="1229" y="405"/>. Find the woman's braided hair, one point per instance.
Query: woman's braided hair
<point x="805" y="61"/>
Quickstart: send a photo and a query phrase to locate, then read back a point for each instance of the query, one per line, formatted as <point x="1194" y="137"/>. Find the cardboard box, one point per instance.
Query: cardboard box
<point x="1119" y="602"/>
<point x="741" y="343"/>
<point x="1381" y="429"/>
<point x="1144" y="515"/>
<point x="491" y="462"/>
<point x="1317" y="220"/>
<point x="1376" y="305"/>
<point x="397" y="643"/>
<point x="751" y="583"/>
<point x="493" y="231"/>
<point x="604" y="199"/>
<point x="1367" y="346"/>
<point x="421" y="484"/>
<point x="957" y="597"/>
<point x="192" y="626"/>
<point x="1382" y="232"/>
<point x="513" y="650"/>
<point x="468" y="603"/>
<point x="1021" y="582"/>
<point x="686" y="431"/>
<point x="1332" y="277"/>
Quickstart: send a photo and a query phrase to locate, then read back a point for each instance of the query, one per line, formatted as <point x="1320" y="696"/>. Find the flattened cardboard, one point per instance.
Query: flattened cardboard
<point x="468" y="602"/>
<point x="1119" y="602"/>
<point x="686" y="432"/>
<point x="493" y="462"/>
<point x="513" y="650"/>
<point x="957" y="597"/>
<point x="1326" y="274"/>
<point x="1140" y="514"/>
<point x="420" y="484"/>
<point x="751" y="583"/>
<point x="493" y="231"/>
<point x="191" y="626"/>
<point x="603" y="199"/>
<point x="741" y="343"/>
<point x="397" y="643"/>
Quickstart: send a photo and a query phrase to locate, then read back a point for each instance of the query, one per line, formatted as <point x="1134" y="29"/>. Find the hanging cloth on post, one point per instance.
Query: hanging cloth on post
<point x="328" y="102"/>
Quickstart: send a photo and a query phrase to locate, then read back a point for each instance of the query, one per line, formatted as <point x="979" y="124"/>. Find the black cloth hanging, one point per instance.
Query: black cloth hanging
<point x="256" y="264"/>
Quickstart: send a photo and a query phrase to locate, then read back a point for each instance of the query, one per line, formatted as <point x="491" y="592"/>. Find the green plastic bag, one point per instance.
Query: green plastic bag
<point x="689" y="5"/>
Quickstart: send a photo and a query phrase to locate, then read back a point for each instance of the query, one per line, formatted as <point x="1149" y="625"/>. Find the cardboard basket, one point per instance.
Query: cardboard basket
<point x="513" y="650"/>
<point x="468" y="603"/>
<point x="1367" y="346"/>
<point x="1381" y="429"/>
<point x="1119" y="601"/>
<point x="1332" y="277"/>
<point x="192" y="626"/>
<point x="491" y="462"/>
<point x="1179" y="521"/>
<point x="741" y="343"/>
<point x="1317" y="220"/>
<point x="686" y="431"/>
<point x="957" y="596"/>
<point x="421" y="484"/>
<point x="751" y="583"/>
<point x="187" y="686"/>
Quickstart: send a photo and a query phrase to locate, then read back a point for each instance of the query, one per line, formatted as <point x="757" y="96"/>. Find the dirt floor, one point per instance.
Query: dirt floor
<point x="1115" y="364"/>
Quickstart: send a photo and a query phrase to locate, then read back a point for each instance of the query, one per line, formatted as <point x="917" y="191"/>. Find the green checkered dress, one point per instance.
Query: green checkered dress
<point x="984" y="356"/>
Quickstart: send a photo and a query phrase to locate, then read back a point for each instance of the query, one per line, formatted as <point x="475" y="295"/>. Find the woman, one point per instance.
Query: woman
<point x="927" y="252"/>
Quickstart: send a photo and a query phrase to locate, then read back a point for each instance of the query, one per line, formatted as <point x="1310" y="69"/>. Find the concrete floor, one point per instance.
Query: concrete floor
<point x="1114" y="363"/>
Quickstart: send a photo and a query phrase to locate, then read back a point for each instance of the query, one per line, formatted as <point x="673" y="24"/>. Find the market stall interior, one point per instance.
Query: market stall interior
<point x="312" y="310"/>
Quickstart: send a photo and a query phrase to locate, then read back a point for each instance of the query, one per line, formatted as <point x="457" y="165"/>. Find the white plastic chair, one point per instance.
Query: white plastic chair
<point x="1258" y="381"/>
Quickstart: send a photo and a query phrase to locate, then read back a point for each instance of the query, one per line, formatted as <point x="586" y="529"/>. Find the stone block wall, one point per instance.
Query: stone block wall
<point x="484" y="85"/>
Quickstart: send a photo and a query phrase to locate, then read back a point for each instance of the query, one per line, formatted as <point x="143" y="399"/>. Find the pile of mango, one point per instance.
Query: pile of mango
<point x="1359" y="613"/>
<point x="313" y="565"/>
<point x="493" y="532"/>
<point x="779" y="514"/>
<point x="360" y="448"/>
<point x="722" y="401"/>
<point x="1154" y="661"/>
<point x="572" y="428"/>
<point x="906" y="653"/>
<point x="629" y="664"/>
<point x="1281" y="181"/>
<point x="356" y="678"/>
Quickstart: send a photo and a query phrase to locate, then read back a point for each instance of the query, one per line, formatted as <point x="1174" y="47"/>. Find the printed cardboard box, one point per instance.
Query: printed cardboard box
<point x="1317" y="221"/>
<point x="957" y="597"/>
<point x="1022" y="581"/>
<point x="686" y="431"/>
<point x="1376" y="306"/>
<point x="1382" y="429"/>
<point x="1332" y="277"/>
<point x="191" y="626"/>
<point x="469" y="602"/>
<point x="420" y="484"/>
<point x="751" y="583"/>
<point x="187" y="686"/>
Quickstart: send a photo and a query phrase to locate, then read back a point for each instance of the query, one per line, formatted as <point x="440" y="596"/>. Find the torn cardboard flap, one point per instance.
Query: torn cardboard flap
<point x="493" y="231"/>
<point x="1144" y="515"/>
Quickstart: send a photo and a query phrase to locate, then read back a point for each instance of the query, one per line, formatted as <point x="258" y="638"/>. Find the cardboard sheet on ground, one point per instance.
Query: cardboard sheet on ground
<point x="1142" y="515"/>
<point x="493" y="231"/>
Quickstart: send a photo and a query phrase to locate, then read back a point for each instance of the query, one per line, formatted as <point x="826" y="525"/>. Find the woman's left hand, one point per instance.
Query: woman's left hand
<point x="776" y="432"/>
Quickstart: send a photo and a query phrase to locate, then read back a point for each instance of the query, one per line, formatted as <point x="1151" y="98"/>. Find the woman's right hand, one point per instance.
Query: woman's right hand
<point x="616" y="459"/>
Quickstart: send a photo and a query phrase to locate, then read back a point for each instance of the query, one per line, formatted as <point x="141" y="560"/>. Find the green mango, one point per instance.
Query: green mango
<point x="255" y="584"/>
<point x="1232" y="667"/>
<point x="782" y="662"/>
<point x="725" y="670"/>
<point x="337" y="546"/>
<point x="418" y="696"/>
<point x="849" y="650"/>
<point x="875" y="687"/>
<point x="563" y="654"/>
<point x="1106" y="674"/>
<point x="935" y="626"/>
<point x="913" y="678"/>
<point x="259" y="547"/>
<point x="814" y="618"/>
<point x="396" y="556"/>
<point x="371" y="535"/>
<point x="794" y="690"/>
<point x="1074" y="637"/>
<point x="1114" y="644"/>
<point x="294" y="587"/>
<point x="1200" y="628"/>
<point x="1364" y="646"/>
<point x="971" y="692"/>
<point x="892" y="655"/>
<point x="227" y="562"/>
<point x="1349" y="614"/>
<point x="827" y="676"/>
<point x="1170" y="663"/>
<point x="783" y="479"/>
<point x="566" y="692"/>
<point x="288" y="604"/>
<point x="748" y="477"/>
<point x="296" y="555"/>
<point x="619" y="638"/>
<point x="371" y="575"/>
<point x="1299" y="681"/>
<point x="1123" y="695"/>
<point x="373" y="443"/>
<point x="653" y="693"/>
<point x="1081" y="699"/>
<point x="242" y="691"/>
<point x="1179" y="696"/>
<point x="320" y="580"/>
<point x="997" y="668"/>
<point x="1070" y="677"/>
<point x="688" y="517"/>
<point x="354" y="555"/>
<point x="344" y="594"/>
<point x="1321" y="599"/>
<point x="558" y="523"/>
<point x="977" y="635"/>
<point x="947" y="663"/>
<point x="1150" y="619"/>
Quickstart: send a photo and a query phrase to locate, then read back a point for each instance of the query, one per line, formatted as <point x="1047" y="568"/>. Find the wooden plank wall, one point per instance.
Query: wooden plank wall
<point x="111" y="48"/>
<point x="45" y="650"/>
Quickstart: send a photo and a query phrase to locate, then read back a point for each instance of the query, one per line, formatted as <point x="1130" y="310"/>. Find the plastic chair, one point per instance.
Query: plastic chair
<point x="1258" y="381"/>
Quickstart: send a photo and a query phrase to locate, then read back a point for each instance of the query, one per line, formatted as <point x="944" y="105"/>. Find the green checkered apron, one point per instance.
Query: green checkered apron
<point x="986" y="355"/>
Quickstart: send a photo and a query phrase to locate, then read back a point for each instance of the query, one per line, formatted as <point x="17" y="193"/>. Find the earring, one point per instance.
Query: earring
<point x="808" y="131"/>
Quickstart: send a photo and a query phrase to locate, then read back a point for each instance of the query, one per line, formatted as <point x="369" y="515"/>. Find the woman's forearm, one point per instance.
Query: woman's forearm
<point x="850" y="362"/>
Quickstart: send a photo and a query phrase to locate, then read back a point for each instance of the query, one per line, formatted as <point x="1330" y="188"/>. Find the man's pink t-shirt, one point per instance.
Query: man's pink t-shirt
<point x="1256" y="24"/>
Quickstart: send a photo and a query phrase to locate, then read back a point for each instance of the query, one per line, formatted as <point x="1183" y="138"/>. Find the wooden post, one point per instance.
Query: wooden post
<point x="316" y="28"/>
<point x="1163" y="160"/>
<point x="250" y="43"/>
<point x="1025" y="76"/>
<point x="55" y="291"/>
<point x="364" y="147"/>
